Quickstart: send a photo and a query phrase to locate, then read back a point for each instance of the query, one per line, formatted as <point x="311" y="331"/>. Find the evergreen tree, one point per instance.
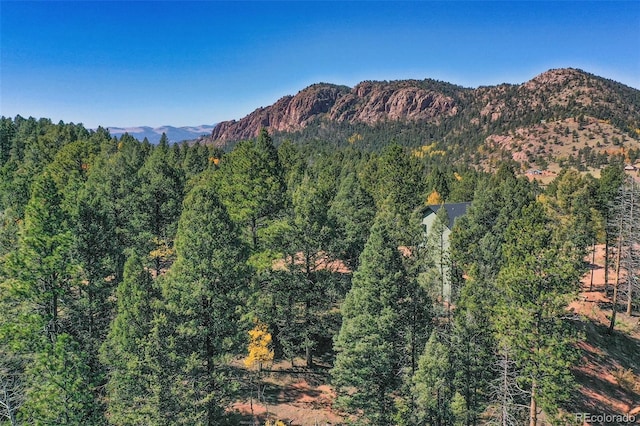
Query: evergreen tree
<point x="535" y="286"/>
<point x="432" y="384"/>
<point x="159" y="197"/>
<point x="201" y="293"/>
<point x="42" y="275"/>
<point x="394" y="180"/>
<point x="353" y="211"/>
<point x="611" y="179"/>
<point x="114" y="179"/>
<point x="473" y="347"/>
<point x="370" y="346"/>
<point x="124" y="352"/>
<point x="309" y="239"/>
<point x="251" y="184"/>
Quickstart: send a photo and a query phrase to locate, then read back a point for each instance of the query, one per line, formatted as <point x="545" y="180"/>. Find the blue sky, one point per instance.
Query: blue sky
<point x="189" y="63"/>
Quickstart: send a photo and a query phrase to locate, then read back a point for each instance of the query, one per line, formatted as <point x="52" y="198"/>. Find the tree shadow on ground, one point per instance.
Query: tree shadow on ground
<point x="602" y="355"/>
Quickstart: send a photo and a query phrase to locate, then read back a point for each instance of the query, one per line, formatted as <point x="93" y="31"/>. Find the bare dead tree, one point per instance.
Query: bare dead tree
<point x="11" y="390"/>
<point x="626" y="221"/>
<point x="508" y="398"/>
<point x="632" y="227"/>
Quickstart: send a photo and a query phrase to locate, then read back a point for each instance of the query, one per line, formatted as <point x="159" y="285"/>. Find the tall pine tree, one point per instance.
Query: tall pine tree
<point x="202" y="292"/>
<point x="370" y="343"/>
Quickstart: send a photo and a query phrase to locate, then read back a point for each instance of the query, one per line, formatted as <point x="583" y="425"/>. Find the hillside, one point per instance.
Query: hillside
<point x="561" y="117"/>
<point x="186" y="283"/>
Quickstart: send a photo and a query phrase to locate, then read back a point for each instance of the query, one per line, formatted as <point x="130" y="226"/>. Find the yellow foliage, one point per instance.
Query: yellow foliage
<point x="457" y="176"/>
<point x="162" y="251"/>
<point x="427" y="150"/>
<point x="259" y="346"/>
<point x="120" y="145"/>
<point x="355" y="138"/>
<point x="214" y="160"/>
<point x="275" y="423"/>
<point x="434" y="199"/>
<point x="423" y="150"/>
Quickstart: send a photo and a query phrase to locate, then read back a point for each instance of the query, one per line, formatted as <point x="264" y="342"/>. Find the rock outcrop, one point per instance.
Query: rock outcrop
<point x="368" y="103"/>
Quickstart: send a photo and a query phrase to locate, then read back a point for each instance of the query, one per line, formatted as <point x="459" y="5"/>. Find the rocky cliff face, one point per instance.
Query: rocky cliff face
<point x="288" y="114"/>
<point x="368" y="103"/>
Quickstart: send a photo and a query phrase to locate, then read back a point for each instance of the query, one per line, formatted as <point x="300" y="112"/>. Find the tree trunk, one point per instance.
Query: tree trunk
<point x="593" y="264"/>
<point x="533" y="409"/>
<point x="614" y="302"/>
<point x="308" y="355"/>
<point x="630" y="268"/>
<point x="606" y="259"/>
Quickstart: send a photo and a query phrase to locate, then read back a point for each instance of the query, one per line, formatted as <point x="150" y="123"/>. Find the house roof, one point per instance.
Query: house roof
<point x="454" y="210"/>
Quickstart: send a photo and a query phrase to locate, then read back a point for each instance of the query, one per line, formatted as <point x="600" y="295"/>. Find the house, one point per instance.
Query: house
<point x="437" y="237"/>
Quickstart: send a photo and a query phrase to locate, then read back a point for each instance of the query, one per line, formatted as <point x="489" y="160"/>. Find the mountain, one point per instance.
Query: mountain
<point x="369" y="102"/>
<point x="175" y="134"/>
<point x="555" y="117"/>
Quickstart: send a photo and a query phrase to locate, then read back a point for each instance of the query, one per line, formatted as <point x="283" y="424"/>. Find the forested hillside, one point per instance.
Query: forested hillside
<point x="562" y="117"/>
<point x="134" y="278"/>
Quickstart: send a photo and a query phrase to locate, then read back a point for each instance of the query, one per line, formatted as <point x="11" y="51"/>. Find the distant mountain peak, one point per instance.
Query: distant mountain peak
<point x="153" y="135"/>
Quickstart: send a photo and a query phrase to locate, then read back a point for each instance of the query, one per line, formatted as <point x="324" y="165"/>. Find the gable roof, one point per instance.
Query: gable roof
<point x="454" y="210"/>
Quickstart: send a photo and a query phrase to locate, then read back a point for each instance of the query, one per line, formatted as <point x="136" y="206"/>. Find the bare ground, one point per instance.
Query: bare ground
<point x="300" y="396"/>
<point x="606" y="359"/>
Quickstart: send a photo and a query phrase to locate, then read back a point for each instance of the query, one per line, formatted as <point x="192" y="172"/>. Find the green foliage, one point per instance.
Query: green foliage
<point x="42" y="264"/>
<point x="394" y="180"/>
<point x="124" y="352"/>
<point x="473" y="347"/>
<point x="535" y="285"/>
<point x="353" y="210"/>
<point x="201" y="294"/>
<point x="478" y="236"/>
<point x="159" y="196"/>
<point x="58" y="387"/>
<point x="123" y="301"/>
<point x="431" y="384"/>
<point x="369" y="345"/>
<point x="251" y="184"/>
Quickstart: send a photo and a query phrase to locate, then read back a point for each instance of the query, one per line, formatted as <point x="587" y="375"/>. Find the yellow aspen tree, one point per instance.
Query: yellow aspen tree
<point x="434" y="199"/>
<point x="259" y="347"/>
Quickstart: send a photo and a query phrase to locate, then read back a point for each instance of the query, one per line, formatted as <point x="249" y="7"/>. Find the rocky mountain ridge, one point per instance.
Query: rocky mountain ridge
<point x="554" y="94"/>
<point x="368" y="102"/>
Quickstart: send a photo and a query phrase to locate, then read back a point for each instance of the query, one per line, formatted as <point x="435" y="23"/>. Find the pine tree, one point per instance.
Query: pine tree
<point x="535" y="285"/>
<point x="201" y="293"/>
<point x="251" y="184"/>
<point x="353" y="210"/>
<point x="41" y="274"/>
<point x="432" y="384"/>
<point x="159" y="197"/>
<point x="370" y="345"/>
<point x="129" y="397"/>
<point x="473" y="347"/>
